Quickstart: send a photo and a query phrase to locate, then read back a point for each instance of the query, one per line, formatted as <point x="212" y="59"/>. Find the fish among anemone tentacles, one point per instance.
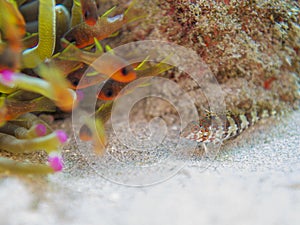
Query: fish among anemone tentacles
<point x="28" y="64"/>
<point x="83" y="34"/>
<point x="106" y="66"/>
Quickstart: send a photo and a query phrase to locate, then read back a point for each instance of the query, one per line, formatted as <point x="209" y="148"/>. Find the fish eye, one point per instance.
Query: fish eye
<point x="86" y="14"/>
<point x="109" y="93"/>
<point x="75" y="82"/>
<point x="124" y="71"/>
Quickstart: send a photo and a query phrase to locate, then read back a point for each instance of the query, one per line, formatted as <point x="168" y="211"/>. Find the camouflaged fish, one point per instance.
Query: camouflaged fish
<point x="213" y="128"/>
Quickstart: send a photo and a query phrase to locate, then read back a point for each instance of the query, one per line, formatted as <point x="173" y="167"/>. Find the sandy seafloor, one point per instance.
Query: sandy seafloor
<point x="254" y="180"/>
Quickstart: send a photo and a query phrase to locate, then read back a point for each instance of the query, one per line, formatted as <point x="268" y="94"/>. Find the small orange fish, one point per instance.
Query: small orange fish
<point x="102" y="114"/>
<point x="106" y="66"/>
<point x="110" y="63"/>
<point x="85" y="133"/>
<point x="89" y="11"/>
<point x="94" y="130"/>
<point x="83" y="35"/>
<point x="112" y="88"/>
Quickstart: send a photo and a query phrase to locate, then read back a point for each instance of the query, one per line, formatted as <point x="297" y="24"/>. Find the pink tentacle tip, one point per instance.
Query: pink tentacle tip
<point x="7" y="77"/>
<point x="56" y="163"/>
<point x="62" y="136"/>
<point x="40" y="130"/>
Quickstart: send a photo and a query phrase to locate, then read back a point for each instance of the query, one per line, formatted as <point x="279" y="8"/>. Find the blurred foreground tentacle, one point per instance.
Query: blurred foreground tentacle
<point x="54" y="87"/>
<point x="29" y="120"/>
<point x="49" y="143"/>
<point x="14" y="167"/>
<point x="20" y="132"/>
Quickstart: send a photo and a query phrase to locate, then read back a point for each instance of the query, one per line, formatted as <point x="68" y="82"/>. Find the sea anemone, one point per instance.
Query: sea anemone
<point x="36" y="77"/>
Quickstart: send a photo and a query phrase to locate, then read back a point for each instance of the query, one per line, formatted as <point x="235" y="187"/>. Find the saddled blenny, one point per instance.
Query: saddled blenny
<point x="213" y="128"/>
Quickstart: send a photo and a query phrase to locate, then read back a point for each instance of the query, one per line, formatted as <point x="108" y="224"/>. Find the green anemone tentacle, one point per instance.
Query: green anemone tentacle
<point x="14" y="167"/>
<point x="47" y="33"/>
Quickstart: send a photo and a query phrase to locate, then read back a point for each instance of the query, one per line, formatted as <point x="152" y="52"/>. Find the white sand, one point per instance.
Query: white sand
<point x="255" y="180"/>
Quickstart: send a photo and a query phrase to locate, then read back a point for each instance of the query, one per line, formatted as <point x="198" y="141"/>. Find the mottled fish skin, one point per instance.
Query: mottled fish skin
<point x="213" y="128"/>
